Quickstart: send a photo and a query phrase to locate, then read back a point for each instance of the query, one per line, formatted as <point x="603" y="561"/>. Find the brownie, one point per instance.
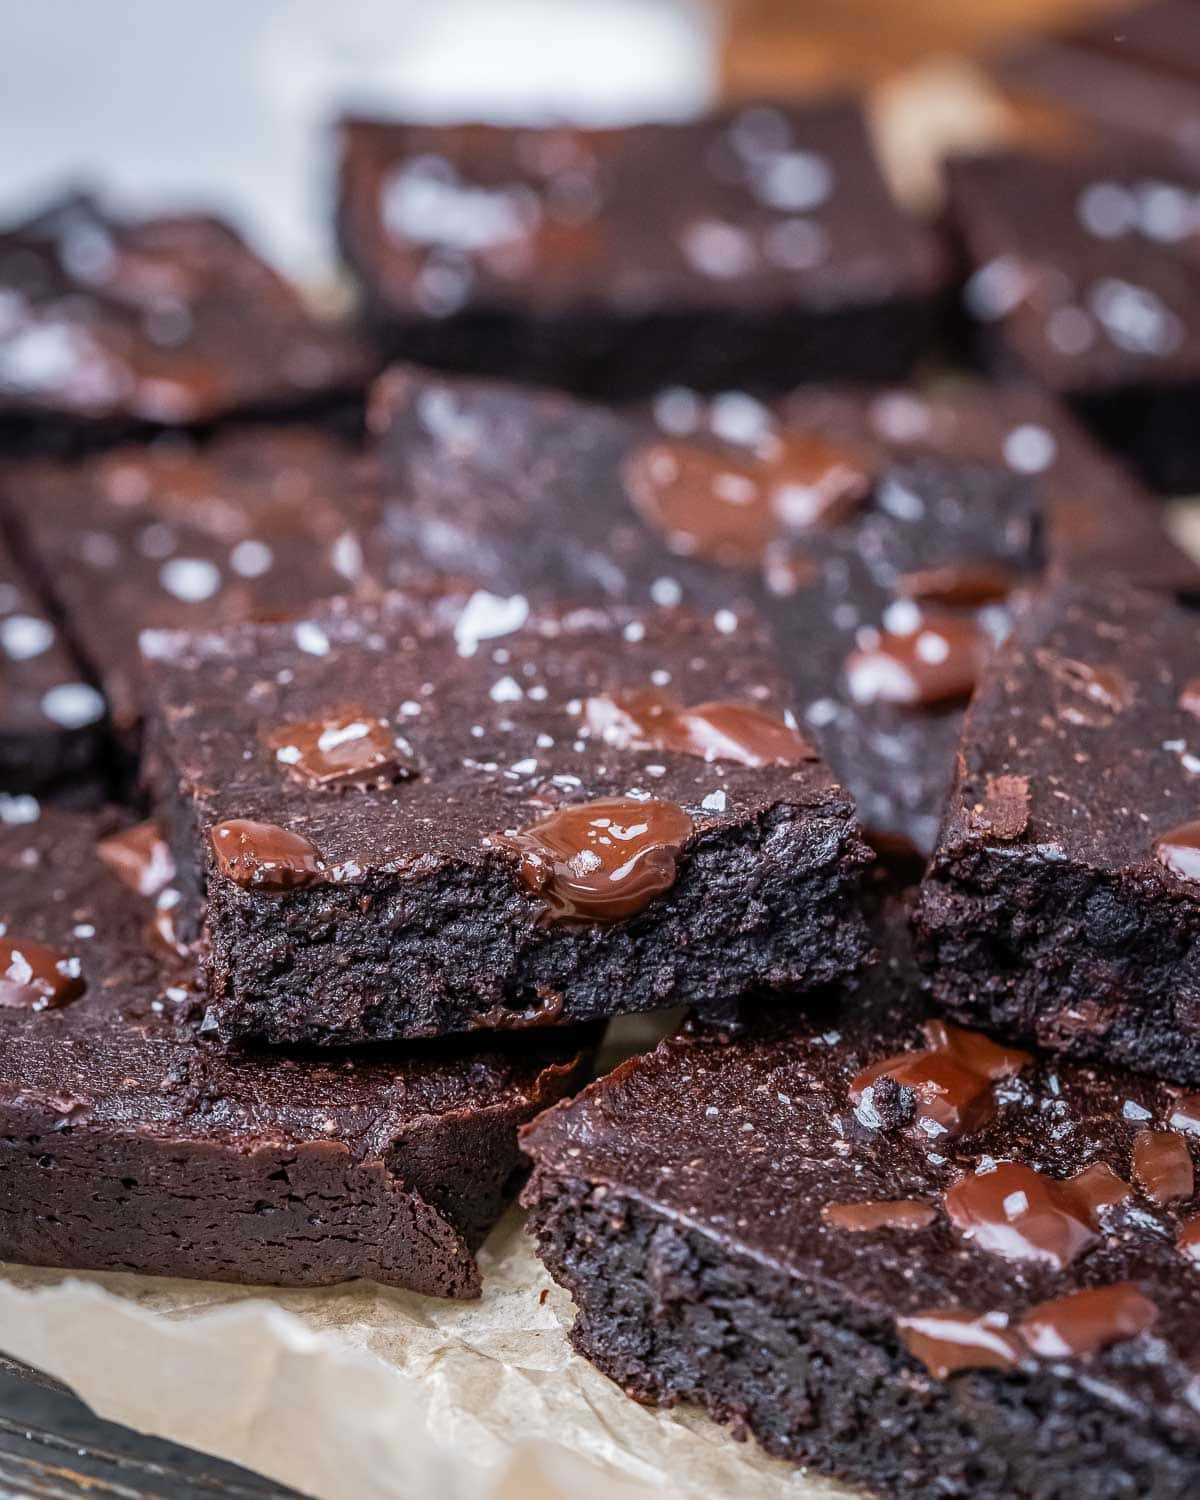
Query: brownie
<point x="51" y="716"/>
<point x="1083" y="276"/>
<point x="1061" y="903"/>
<point x="131" y="1139"/>
<point x="180" y="531"/>
<point x="1133" y="73"/>
<point x="897" y="1253"/>
<point x="555" y="254"/>
<point x="438" y="813"/>
<point x="107" y="322"/>
<point x="854" y="505"/>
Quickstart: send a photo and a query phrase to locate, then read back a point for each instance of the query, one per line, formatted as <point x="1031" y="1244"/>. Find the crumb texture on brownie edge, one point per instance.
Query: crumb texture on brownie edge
<point x="1065" y="929"/>
<point x="671" y="1316"/>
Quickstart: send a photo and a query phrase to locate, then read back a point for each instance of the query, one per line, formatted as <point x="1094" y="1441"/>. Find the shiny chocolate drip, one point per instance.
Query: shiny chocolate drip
<point x="1087" y="1321"/>
<point x="1021" y="1214"/>
<point x="737" y="732"/>
<point x="600" y="861"/>
<point x="265" y="857"/>
<point x="348" y="748"/>
<point x="938" y="662"/>
<point x="1162" y="1165"/>
<point x="951" y="1080"/>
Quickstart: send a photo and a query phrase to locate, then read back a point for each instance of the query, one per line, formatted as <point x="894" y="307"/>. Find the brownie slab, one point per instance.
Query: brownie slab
<point x="845" y="517"/>
<point x="132" y="1140"/>
<point x="443" y="812"/>
<point x="897" y="1253"/>
<point x="1082" y="276"/>
<point x="173" y="320"/>
<point x="51" y="716"/>
<point x="1057" y="906"/>
<point x="555" y="255"/>
<point x="182" y="532"/>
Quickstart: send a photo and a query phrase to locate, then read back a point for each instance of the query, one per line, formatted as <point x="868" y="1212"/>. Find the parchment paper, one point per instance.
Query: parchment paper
<point x="363" y="1392"/>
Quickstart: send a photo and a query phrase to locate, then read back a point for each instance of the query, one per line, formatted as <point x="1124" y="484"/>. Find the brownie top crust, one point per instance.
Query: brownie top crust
<point x="178" y="532"/>
<point x="1082" y="743"/>
<point x="929" y="1177"/>
<point x="472" y="717"/>
<point x="109" y="1030"/>
<point x="172" y="320"/>
<point x="1083" y="265"/>
<point x="770" y="203"/>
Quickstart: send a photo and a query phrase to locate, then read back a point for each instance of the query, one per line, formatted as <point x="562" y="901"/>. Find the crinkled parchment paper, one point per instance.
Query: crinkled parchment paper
<point x="380" y="1395"/>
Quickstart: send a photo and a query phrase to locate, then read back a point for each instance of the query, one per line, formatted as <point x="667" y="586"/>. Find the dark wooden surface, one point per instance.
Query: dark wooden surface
<point x="53" y="1448"/>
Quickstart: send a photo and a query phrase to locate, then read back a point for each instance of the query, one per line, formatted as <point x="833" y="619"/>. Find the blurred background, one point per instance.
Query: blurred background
<point x="227" y="103"/>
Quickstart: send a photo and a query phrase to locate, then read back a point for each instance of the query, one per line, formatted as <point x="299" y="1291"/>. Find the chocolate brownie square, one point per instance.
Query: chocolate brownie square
<point x="131" y="1139"/>
<point x="106" y="321"/>
<point x="895" y="1252"/>
<point x="776" y="253"/>
<point x="180" y="532"/>
<point x="847" y="518"/>
<point x="1083" y="277"/>
<point x="1061" y="904"/>
<point x="439" y="813"/>
<point x="51" y="716"/>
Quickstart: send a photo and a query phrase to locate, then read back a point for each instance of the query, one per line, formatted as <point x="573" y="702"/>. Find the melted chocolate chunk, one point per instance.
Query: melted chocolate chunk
<point x="1162" y="1165"/>
<point x="736" y="732"/>
<point x="813" y="482"/>
<point x="949" y="1339"/>
<point x="1179" y="851"/>
<point x="265" y="857"/>
<point x="140" y="857"/>
<point x="704" y="502"/>
<point x="1084" y="1322"/>
<point x="959" y="585"/>
<point x="36" y="977"/>
<point x="350" y="748"/>
<point x="726" y="505"/>
<point x="950" y="1080"/>
<point x="899" y="1213"/>
<point x="936" y="663"/>
<point x="1189" y="1239"/>
<point x="1075" y="1326"/>
<point x="601" y="861"/>
<point x="1088" y="695"/>
<point x="1019" y="1213"/>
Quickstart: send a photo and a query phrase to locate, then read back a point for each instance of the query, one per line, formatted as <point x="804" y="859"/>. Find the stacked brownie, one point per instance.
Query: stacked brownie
<point x="133" y="1137"/>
